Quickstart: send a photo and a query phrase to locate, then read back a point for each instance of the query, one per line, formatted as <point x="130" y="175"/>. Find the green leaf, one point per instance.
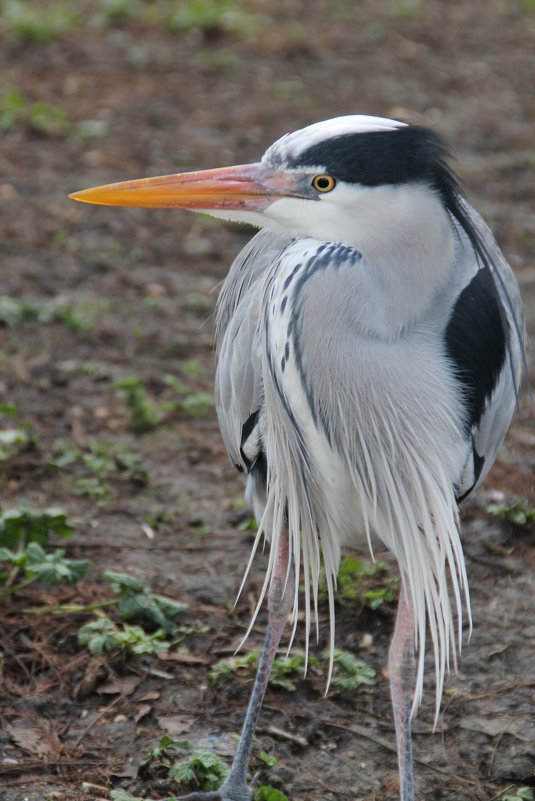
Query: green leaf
<point x="12" y="442"/>
<point x="137" y="600"/>
<point x="350" y="673"/>
<point x="54" y="568"/>
<point x="202" y="769"/>
<point x="124" y="581"/>
<point x="22" y="525"/>
<point x="122" y="795"/>
<point x="100" y="636"/>
<point x="268" y="793"/>
<point x="269" y="759"/>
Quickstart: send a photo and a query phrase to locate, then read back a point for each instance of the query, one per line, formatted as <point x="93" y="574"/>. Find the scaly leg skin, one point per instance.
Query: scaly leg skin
<point x="280" y="599"/>
<point x="401" y="667"/>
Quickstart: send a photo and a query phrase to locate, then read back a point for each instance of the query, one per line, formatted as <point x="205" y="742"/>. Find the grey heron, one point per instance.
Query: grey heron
<point x="370" y="350"/>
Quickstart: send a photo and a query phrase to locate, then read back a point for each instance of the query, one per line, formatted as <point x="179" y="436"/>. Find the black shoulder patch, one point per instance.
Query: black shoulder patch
<point x="476" y="342"/>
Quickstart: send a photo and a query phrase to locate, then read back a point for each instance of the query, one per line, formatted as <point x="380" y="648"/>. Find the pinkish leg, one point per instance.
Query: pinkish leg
<point x="401" y="667"/>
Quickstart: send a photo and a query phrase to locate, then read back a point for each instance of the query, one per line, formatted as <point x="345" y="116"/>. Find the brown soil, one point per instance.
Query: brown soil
<point x="147" y="282"/>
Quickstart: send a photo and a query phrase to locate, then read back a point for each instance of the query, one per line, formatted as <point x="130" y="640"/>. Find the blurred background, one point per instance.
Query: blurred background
<point x="106" y="390"/>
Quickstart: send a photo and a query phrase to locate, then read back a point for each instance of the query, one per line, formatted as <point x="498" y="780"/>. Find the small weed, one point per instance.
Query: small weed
<point x="268" y="793"/>
<point x="13" y="441"/>
<point x="201" y="770"/>
<point x="195" y="403"/>
<point x="517" y="511"/>
<point x="36" y="564"/>
<point x="221" y="671"/>
<point x="92" y="486"/>
<point x="20" y="526"/>
<point x="350" y="673"/>
<point x="135" y="600"/>
<point x="38" y="117"/>
<point x="290" y="667"/>
<point x="144" y="415"/>
<point x="45" y="119"/>
<point x="122" y="795"/>
<point x="363" y="582"/>
<point x="13" y="311"/>
<point x="283" y="671"/>
<point x="34" y="23"/>
<point x="101" y="463"/>
<point x="104" y="636"/>
<point x="165" y="749"/>
<point x="23" y="532"/>
<point x="269" y="759"/>
<point x="115" y="12"/>
<point x="519" y="794"/>
<point x="214" y="17"/>
<point x="249" y="524"/>
<point x="9" y="409"/>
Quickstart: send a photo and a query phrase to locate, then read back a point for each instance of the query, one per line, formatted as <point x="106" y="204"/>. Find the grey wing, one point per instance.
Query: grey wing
<point x="239" y="384"/>
<point x="489" y="309"/>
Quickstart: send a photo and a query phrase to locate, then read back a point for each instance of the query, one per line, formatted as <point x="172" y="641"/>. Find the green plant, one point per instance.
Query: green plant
<point x="214" y="16"/>
<point x="122" y="795"/>
<point x="165" y="749"/>
<point x="23" y="532"/>
<point x="518" y="794"/>
<point x="269" y="759"/>
<point x="283" y="671"/>
<point x="10" y="409"/>
<point x="14" y="441"/>
<point x="34" y="23"/>
<point x="101" y="462"/>
<point x="135" y="600"/>
<point x="221" y="671"/>
<point x="201" y="770"/>
<point x="104" y="636"/>
<point x="143" y="414"/>
<point x="13" y="311"/>
<point x="195" y="403"/>
<point x="36" y="564"/>
<point x="115" y="12"/>
<point x="517" y="511"/>
<point x="20" y="526"/>
<point x="350" y="673"/>
<point x="268" y="793"/>
<point x="363" y="582"/>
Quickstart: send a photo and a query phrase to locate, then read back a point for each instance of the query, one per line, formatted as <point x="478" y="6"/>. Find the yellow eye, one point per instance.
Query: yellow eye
<point x="323" y="183"/>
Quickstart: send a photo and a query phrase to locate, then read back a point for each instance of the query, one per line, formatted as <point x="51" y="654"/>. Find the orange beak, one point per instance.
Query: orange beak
<point x="247" y="187"/>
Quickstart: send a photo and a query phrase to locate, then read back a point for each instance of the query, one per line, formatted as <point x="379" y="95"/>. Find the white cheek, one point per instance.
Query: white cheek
<point x="319" y="219"/>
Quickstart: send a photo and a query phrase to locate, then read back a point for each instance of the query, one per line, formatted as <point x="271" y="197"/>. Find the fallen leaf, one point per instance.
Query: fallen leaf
<point x="142" y="711"/>
<point x="152" y="695"/>
<point x="183" y="659"/>
<point x="176" y="724"/>
<point x="128" y="771"/>
<point x="32" y="737"/>
<point x="120" y="686"/>
<point x="521" y="728"/>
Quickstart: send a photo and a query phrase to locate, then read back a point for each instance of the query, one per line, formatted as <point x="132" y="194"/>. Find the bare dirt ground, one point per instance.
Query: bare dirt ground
<point x="137" y="291"/>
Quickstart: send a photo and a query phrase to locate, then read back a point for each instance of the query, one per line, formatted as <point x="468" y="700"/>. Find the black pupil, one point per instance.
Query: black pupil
<point x="323" y="183"/>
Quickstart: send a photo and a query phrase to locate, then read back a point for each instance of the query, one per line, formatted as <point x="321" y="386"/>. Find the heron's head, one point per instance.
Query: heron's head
<point x="342" y="180"/>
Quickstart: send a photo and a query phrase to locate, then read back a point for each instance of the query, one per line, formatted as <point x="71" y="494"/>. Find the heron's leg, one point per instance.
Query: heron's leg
<point x="280" y="600"/>
<point x="401" y="667"/>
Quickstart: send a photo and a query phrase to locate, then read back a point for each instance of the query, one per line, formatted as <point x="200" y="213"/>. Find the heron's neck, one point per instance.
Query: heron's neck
<point x="406" y="238"/>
